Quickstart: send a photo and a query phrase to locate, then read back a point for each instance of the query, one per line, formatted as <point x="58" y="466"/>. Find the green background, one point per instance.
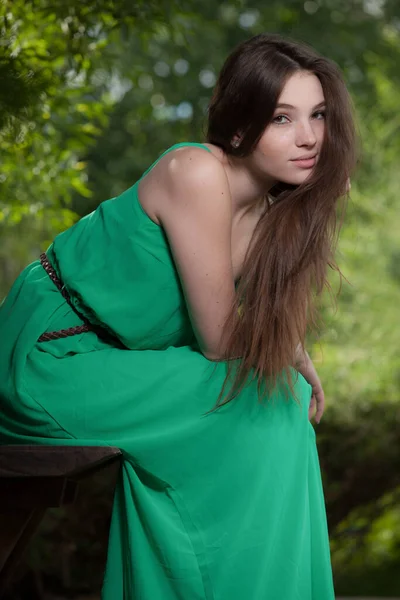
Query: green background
<point x="91" y="92"/>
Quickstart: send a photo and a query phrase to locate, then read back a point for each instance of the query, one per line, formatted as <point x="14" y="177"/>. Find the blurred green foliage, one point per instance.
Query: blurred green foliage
<point x="92" y="92"/>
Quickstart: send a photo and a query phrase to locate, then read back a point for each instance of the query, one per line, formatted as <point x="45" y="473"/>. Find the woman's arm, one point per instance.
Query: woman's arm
<point x="196" y="215"/>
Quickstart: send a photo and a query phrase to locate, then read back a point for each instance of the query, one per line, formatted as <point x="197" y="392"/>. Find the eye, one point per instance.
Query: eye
<point x="279" y="119"/>
<point x="320" y="114"/>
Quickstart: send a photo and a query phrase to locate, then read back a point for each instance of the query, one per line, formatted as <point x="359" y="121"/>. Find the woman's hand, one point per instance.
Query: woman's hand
<point x="306" y="367"/>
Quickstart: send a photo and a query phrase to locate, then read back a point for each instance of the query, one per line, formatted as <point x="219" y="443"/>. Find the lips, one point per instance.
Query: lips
<point x="308" y="157"/>
<point x="305" y="162"/>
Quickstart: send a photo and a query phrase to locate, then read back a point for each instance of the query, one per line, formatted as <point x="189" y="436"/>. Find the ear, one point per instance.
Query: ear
<point x="236" y="140"/>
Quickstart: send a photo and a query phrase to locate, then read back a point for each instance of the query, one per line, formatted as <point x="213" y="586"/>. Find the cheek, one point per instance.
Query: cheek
<point x="276" y="143"/>
<point x="321" y="131"/>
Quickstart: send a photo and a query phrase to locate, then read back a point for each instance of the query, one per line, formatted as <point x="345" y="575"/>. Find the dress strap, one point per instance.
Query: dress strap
<point x="174" y="147"/>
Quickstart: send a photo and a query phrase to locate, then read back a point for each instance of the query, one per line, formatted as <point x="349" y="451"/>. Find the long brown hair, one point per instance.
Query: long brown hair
<point x="285" y="268"/>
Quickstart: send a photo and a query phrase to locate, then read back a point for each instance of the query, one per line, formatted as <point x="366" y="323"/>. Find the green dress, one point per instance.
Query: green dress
<point x="224" y="505"/>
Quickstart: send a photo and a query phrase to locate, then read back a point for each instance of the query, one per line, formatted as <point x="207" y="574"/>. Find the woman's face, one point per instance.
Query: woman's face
<point x="289" y="147"/>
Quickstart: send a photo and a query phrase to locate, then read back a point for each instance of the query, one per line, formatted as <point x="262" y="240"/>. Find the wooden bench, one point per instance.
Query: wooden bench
<point x="34" y="478"/>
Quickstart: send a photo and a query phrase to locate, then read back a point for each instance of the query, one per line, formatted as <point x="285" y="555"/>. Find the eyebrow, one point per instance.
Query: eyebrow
<point x="294" y="108"/>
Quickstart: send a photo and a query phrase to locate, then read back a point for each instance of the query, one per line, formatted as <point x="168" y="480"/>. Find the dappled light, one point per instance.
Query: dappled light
<point x="93" y="92"/>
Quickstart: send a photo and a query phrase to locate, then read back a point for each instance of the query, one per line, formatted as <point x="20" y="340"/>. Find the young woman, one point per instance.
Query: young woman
<point x="171" y="321"/>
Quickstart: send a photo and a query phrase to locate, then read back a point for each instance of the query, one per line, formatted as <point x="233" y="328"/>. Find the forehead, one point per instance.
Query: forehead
<point x="302" y="88"/>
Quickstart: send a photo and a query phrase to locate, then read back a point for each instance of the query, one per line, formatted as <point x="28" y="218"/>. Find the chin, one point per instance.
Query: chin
<point x="298" y="179"/>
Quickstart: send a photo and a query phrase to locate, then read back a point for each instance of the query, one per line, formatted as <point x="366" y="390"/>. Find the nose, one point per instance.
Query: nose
<point x="305" y="134"/>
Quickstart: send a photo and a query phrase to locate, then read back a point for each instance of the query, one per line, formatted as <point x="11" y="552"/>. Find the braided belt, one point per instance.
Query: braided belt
<point x="63" y="333"/>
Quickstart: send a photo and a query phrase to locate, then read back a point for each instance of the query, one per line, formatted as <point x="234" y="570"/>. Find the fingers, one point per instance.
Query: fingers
<point x="318" y="402"/>
<point x="311" y="408"/>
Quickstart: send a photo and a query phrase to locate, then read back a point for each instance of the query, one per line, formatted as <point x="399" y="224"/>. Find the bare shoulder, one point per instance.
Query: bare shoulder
<point x="186" y="177"/>
<point x="192" y="166"/>
<point x="196" y="187"/>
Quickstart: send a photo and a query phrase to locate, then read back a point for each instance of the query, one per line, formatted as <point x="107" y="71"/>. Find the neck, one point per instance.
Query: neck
<point x="248" y="191"/>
